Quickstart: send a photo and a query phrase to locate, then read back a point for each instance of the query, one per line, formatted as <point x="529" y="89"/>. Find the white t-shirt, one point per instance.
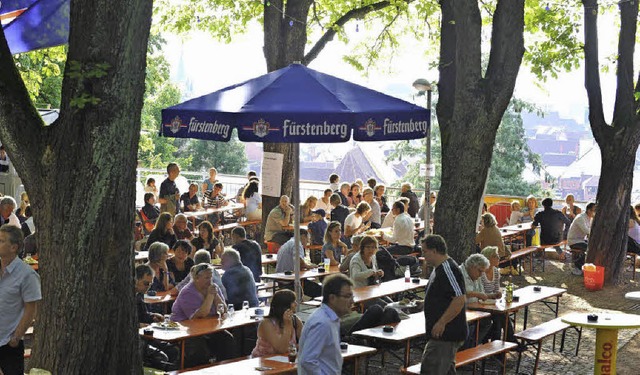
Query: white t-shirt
<point x="352" y="221"/>
<point x="515" y="218"/>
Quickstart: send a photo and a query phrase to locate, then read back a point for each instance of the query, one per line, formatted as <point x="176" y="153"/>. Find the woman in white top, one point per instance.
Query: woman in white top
<point x="252" y="201"/>
<point x="353" y="224"/>
<point x="491" y="282"/>
<point x="363" y="268"/>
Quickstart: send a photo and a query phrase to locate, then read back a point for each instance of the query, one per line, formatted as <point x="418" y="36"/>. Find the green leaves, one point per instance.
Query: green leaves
<point x="41" y="72"/>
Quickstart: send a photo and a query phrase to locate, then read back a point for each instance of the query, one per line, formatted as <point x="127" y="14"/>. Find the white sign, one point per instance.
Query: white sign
<point x="431" y="168"/>
<point x="271" y="174"/>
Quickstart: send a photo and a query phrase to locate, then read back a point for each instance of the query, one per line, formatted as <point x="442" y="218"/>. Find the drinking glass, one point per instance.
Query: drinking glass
<point x="293" y="353"/>
<point x="221" y="311"/>
<point x="245" y="307"/>
<point x="327" y="264"/>
<point x="230" y="310"/>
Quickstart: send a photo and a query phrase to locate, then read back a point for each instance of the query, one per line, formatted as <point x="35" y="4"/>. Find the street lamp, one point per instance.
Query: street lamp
<point x="423" y="86"/>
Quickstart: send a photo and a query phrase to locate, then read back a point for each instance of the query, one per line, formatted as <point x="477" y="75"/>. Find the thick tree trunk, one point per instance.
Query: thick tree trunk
<point x="618" y="142"/>
<point x="80" y="174"/>
<point x="470" y="109"/>
<point x="608" y="240"/>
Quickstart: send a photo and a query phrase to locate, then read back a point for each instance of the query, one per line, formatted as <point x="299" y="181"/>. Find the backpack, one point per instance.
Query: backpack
<point x="387" y="263"/>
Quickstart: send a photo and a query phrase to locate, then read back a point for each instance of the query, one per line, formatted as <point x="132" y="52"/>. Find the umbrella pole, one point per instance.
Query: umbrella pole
<point x="296" y="221"/>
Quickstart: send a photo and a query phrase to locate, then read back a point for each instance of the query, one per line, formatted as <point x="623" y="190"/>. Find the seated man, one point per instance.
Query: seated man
<point x="181" y="228"/>
<point x="285" y="262"/>
<point x="403" y="228"/>
<point x="472" y="269"/>
<point x="414" y="204"/>
<point x="238" y="280"/>
<point x="7" y="208"/>
<point x="200" y="298"/>
<point x="345" y="188"/>
<point x="552" y="224"/>
<point x="339" y="212"/>
<point x="203" y="256"/>
<point x="279" y="217"/>
<point x="214" y="198"/>
<point x="150" y="210"/>
<point x="4" y="160"/>
<point x="578" y="234"/>
<point x="250" y="251"/>
<point x="155" y="353"/>
<point x="375" y="220"/>
<point x="190" y="200"/>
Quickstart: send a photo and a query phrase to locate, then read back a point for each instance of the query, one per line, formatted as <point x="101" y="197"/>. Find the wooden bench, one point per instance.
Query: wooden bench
<point x="522" y="253"/>
<point x="222" y="228"/>
<point x="544" y="248"/>
<point x="265" y="286"/>
<point x="473" y="355"/>
<point x="248" y="223"/>
<point x="535" y="335"/>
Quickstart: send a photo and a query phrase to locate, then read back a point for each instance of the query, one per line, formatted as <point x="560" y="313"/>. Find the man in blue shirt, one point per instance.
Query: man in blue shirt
<point x="320" y="338"/>
<point x="317" y="227"/>
<point x="250" y="251"/>
<point x="238" y="280"/>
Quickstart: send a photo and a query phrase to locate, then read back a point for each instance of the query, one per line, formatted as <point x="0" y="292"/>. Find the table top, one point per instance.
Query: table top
<point x="411" y="328"/>
<point x="274" y="364"/>
<point x="211" y="210"/>
<point x="141" y="256"/>
<point x="605" y="320"/>
<point x="387" y="288"/>
<point x="304" y="274"/>
<point x="200" y="327"/>
<point x="518" y="227"/>
<point x="634" y="296"/>
<point x="271" y="260"/>
<point x="304" y="225"/>
<point x="160" y="297"/>
<point x="527" y="296"/>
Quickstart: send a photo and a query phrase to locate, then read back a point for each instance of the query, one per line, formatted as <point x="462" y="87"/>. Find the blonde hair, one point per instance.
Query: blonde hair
<point x="488" y="220"/>
<point x="490" y="251"/>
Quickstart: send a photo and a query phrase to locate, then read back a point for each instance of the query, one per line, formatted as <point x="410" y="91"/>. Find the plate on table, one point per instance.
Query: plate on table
<point x="489" y="301"/>
<point x="171" y="326"/>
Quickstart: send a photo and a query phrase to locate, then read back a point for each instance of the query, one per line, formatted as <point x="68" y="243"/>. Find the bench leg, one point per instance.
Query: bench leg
<point x="519" y="358"/>
<point x="538" y="348"/>
<point x="579" y="337"/>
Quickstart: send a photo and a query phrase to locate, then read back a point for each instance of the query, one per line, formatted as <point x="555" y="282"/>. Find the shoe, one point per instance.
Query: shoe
<point x="576" y="272"/>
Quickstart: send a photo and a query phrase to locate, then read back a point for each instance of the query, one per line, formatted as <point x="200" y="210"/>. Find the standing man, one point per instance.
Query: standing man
<point x="320" y="338"/>
<point x="578" y="235"/>
<point x="445" y="318"/>
<point x="250" y="251"/>
<point x="169" y="194"/>
<point x="279" y="217"/>
<point x="19" y="295"/>
<point x="414" y="204"/>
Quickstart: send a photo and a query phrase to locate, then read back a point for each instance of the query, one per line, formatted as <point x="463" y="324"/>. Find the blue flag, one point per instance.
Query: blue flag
<point x="33" y="24"/>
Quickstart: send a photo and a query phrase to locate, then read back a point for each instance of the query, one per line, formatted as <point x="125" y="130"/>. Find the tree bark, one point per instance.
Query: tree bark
<point x="618" y="142"/>
<point x="80" y="175"/>
<point x="470" y="108"/>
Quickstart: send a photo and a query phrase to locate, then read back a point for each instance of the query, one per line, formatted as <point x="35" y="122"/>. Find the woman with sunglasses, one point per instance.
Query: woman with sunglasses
<point x="281" y="328"/>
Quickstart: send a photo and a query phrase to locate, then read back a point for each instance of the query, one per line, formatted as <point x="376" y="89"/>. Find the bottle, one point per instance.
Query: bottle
<point x="509" y="291"/>
<point x="407" y="274"/>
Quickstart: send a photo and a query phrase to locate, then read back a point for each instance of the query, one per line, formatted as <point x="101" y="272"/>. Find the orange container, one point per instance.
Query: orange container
<point x="593" y="280"/>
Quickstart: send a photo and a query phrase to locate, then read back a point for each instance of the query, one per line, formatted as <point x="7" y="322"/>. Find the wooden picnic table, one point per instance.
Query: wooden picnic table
<point x="199" y="327"/>
<point x="304" y="225"/>
<point x="409" y="329"/>
<point x="527" y="296"/>
<point x="267" y="261"/>
<point x="275" y="364"/>
<point x="304" y="274"/>
<point x="210" y="210"/>
<point x="141" y="257"/>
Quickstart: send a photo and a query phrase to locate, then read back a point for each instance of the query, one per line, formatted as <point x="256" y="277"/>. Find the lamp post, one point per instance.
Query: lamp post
<point x="423" y="86"/>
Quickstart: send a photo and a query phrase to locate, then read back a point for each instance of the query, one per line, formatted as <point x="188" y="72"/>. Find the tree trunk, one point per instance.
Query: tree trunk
<point x="608" y="239"/>
<point x="618" y="142"/>
<point x="80" y="175"/>
<point x="470" y="108"/>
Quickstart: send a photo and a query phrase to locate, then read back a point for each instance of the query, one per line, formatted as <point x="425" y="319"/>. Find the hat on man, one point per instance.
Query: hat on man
<point x="320" y="212"/>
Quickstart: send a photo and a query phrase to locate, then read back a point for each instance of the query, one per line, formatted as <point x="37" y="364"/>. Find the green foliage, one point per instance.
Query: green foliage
<point x="510" y="154"/>
<point x="227" y="157"/>
<point x="83" y="73"/>
<point x="41" y="72"/>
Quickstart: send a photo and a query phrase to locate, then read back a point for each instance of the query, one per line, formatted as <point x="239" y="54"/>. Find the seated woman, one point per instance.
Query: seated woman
<point x="200" y="299"/>
<point x="516" y="214"/>
<point x="378" y="194"/>
<point x="633" y="242"/>
<point x="490" y="234"/>
<point x="181" y="228"/>
<point x="281" y="328"/>
<point x="491" y="284"/>
<point x="333" y="248"/>
<point x="472" y="269"/>
<point x="354" y="196"/>
<point x="355" y="249"/>
<point x="162" y="232"/>
<point x="206" y="240"/>
<point x="163" y="280"/>
<point x="150" y="211"/>
<point x="354" y="223"/>
<point x="570" y="210"/>
<point x="306" y="210"/>
<point x="180" y="265"/>
<point x="252" y="201"/>
<point x="24" y="203"/>
<point x="528" y="213"/>
<point x="363" y="268"/>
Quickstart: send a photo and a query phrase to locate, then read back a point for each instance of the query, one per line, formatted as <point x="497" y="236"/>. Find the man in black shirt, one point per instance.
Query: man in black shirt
<point x="414" y="205"/>
<point x="250" y="252"/>
<point x="445" y="318"/>
<point x="551" y="223"/>
<point x="169" y="195"/>
<point x="155" y="353"/>
<point x="339" y="211"/>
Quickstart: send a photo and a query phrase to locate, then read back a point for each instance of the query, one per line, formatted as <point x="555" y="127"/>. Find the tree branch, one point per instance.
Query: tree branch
<point x="592" y="70"/>
<point x="624" y="108"/>
<point x="381" y="37"/>
<point x="338" y="24"/>
<point x="507" y="49"/>
<point x="21" y="127"/>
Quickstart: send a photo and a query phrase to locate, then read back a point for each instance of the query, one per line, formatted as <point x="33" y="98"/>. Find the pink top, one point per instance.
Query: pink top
<point x="263" y="347"/>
